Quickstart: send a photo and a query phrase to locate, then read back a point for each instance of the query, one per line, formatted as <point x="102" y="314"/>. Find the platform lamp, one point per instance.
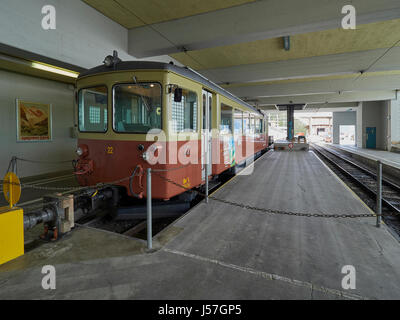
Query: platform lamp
<point x="286" y="43"/>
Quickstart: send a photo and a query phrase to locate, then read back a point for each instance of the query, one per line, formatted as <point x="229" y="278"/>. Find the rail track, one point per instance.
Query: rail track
<point x="365" y="180"/>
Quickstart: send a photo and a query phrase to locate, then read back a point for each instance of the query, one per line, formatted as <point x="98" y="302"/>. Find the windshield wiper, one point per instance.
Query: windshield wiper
<point x="148" y="108"/>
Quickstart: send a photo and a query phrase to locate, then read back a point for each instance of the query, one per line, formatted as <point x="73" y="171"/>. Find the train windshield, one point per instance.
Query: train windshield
<point x="93" y="109"/>
<point x="137" y="107"/>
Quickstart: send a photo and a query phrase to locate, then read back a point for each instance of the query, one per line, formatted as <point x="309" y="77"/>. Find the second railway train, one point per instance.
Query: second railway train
<point x="136" y="115"/>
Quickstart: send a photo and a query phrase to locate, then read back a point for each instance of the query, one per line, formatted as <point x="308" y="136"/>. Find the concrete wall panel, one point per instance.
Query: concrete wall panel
<point x="16" y="86"/>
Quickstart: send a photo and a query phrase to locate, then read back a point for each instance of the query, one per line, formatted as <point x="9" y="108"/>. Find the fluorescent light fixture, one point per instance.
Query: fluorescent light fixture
<point x="48" y="68"/>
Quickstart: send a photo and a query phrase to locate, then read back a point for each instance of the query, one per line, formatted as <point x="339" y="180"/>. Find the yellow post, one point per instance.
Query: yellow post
<point x="11" y="221"/>
<point x="11" y="234"/>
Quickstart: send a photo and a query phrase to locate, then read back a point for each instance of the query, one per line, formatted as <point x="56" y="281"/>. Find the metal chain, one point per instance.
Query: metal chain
<point x="280" y="212"/>
<point x="240" y="205"/>
<point x="44" y="162"/>
<point x="71" y="188"/>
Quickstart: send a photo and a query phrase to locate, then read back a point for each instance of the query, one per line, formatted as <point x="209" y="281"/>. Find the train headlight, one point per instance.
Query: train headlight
<point x="79" y="152"/>
<point x="108" y="61"/>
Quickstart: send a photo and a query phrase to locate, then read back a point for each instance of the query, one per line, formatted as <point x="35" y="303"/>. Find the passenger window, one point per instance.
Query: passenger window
<point x="184" y="113"/>
<point x="137" y="107"/>
<point x="238" y="122"/>
<point x="92" y="109"/>
<point x="259" y="126"/>
<point x="210" y="113"/>
<point x="226" y="120"/>
<point x="246" y="123"/>
<point x="204" y="112"/>
<point x="252" y="124"/>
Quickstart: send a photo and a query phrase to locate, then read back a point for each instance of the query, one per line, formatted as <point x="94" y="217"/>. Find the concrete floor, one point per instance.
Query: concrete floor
<point x="218" y="251"/>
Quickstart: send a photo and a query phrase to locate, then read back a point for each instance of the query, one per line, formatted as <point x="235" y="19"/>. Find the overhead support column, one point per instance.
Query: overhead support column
<point x="394" y="133"/>
<point x="290" y="108"/>
<point x="290" y="123"/>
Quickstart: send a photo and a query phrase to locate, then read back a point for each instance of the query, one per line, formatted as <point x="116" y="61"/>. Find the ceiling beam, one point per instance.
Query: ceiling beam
<point x="335" y="64"/>
<point x="332" y="105"/>
<point x="364" y="83"/>
<point x="323" y="107"/>
<point x="330" y="98"/>
<point x="254" y="21"/>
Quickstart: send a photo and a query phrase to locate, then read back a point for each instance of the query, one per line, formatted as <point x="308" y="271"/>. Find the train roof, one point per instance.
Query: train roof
<point x="183" y="71"/>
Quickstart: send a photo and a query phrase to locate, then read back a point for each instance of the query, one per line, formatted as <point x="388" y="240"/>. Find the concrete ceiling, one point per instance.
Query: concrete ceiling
<point x="239" y="45"/>
<point x="137" y="13"/>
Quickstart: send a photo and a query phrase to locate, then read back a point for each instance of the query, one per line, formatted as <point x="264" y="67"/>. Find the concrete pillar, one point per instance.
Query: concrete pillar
<point x="373" y="114"/>
<point x="394" y="128"/>
<point x="359" y="126"/>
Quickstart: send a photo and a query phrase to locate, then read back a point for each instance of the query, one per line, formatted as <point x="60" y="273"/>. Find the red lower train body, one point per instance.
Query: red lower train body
<point x="122" y="163"/>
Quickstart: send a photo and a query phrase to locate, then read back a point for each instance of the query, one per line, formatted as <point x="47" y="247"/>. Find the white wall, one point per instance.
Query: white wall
<point x="345" y="118"/>
<point x="13" y="86"/>
<point x="83" y="36"/>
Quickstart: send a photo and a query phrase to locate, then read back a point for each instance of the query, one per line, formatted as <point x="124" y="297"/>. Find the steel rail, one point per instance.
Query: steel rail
<point x="358" y="166"/>
<point x="358" y="181"/>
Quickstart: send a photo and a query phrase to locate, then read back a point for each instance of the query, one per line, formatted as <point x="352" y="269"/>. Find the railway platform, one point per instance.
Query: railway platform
<point x="391" y="159"/>
<point x="221" y="251"/>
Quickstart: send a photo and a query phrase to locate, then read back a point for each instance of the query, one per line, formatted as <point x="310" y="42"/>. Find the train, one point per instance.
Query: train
<point x="134" y="115"/>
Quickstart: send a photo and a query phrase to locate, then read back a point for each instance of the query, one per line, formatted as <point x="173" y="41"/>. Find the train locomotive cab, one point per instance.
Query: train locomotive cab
<point x="137" y="115"/>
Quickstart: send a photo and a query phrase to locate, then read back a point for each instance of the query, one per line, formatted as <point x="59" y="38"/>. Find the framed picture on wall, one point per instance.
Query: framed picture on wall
<point x="34" y="121"/>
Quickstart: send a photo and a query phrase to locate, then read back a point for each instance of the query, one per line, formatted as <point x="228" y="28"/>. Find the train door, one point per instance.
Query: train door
<point x="206" y="135"/>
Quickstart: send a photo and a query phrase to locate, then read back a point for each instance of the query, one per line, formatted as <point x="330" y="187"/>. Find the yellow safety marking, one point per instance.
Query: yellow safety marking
<point x="95" y="194"/>
<point x="347" y="187"/>
<point x="12" y="188"/>
<point x="246" y="168"/>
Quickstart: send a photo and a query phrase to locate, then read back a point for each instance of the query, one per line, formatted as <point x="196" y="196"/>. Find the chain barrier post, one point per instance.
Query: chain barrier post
<point x="14" y="165"/>
<point x="207" y="157"/>
<point x="379" y="193"/>
<point x="149" y="212"/>
<point x="207" y="180"/>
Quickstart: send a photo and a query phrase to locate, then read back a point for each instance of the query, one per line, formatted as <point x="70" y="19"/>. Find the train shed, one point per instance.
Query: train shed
<point x="200" y="150"/>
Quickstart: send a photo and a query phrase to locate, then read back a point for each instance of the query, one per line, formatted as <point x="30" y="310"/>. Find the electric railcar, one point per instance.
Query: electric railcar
<point x="136" y="115"/>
